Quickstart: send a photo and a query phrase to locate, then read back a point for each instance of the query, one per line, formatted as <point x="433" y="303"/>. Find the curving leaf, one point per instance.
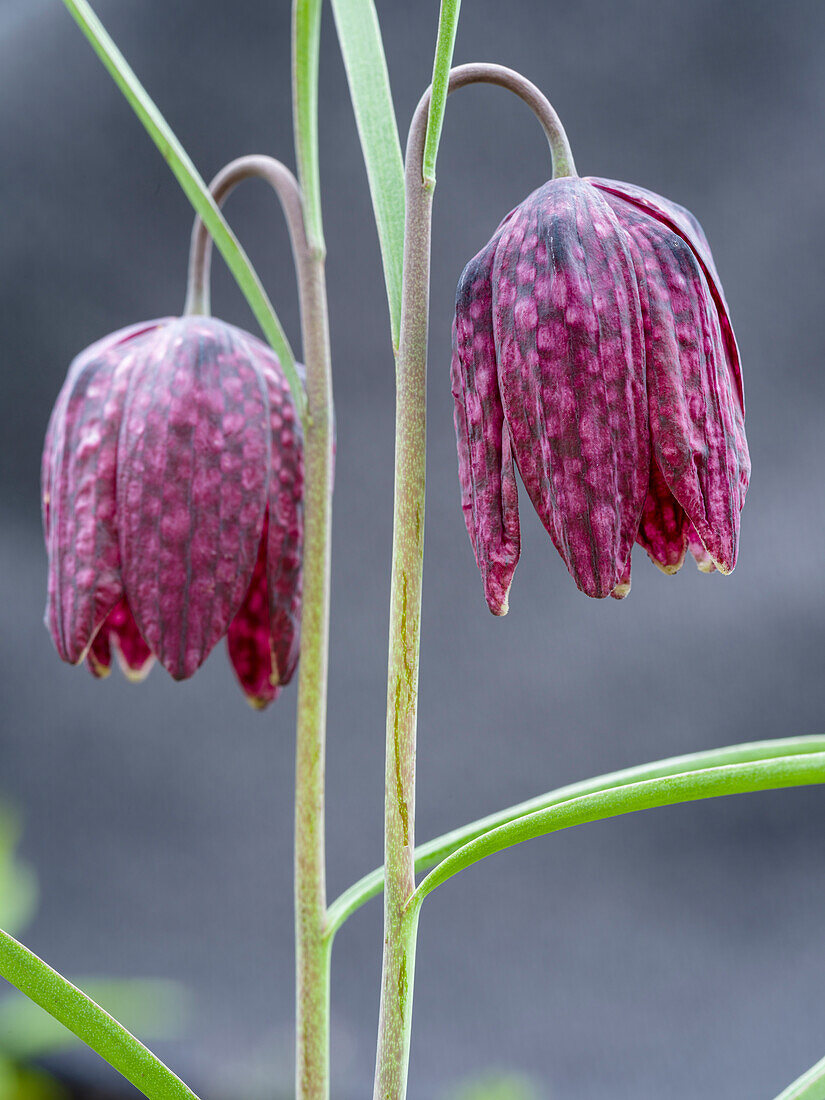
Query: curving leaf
<point x="193" y="186"/>
<point x="762" y="775"/>
<point x="432" y="852"/>
<point x="89" y="1022"/>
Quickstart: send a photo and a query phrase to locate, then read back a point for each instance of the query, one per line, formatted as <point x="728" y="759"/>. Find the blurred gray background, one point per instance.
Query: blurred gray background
<point x="677" y="953"/>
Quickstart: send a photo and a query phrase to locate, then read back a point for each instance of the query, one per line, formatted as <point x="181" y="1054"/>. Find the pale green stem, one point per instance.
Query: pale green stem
<point x="434" y="851"/>
<point x="312" y="945"/>
<point x="89" y="1022"/>
<point x="392" y="1056"/>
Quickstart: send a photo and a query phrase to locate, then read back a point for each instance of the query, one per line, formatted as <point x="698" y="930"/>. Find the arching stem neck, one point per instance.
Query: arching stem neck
<point x="480" y="72"/>
<point x="282" y="181"/>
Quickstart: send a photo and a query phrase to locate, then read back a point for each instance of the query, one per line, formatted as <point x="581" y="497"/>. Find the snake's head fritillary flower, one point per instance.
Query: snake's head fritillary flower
<point x="173" y="505"/>
<point x="593" y="352"/>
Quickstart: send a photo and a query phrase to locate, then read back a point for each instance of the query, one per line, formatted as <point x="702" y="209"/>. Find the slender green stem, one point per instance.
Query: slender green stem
<point x="193" y="186"/>
<point x="312" y="947"/>
<point x="810" y="1086"/>
<point x="392" y="1056"/>
<point x="433" y="851"/>
<point x="447" y="29"/>
<point x="89" y="1022"/>
<point x="763" y="775"/>
<point x="312" y="944"/>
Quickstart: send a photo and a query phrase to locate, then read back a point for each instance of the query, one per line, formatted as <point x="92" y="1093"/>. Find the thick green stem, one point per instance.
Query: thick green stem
<point x="400" y="922"/>
<point x="312" y="946"/>
<point x="405" y="616"/>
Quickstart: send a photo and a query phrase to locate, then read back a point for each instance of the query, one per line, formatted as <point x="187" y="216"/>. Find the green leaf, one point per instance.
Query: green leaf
<point x="810" y="1086"/>
<point x="152" y="1007"/>
<point x="429" y="854"/>
<point x="88" y="1021"/>
<point x="360" y="38"/>
<point x="306" y="36"/>
<point x="447" y="29"/>
<point x="762" y="775"/>
<point x="194" y="188"/>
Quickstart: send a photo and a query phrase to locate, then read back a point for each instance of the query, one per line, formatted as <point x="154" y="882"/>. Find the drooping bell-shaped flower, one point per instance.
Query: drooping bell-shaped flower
<point x="593" y="352"/>
<point x="173" y="505"/>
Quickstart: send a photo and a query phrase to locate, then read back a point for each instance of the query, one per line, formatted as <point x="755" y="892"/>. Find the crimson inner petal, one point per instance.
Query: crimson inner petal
<point x="249" y="638"/>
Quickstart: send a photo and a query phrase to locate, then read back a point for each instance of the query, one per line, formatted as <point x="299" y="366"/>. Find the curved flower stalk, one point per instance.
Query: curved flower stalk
<point x="173" y="505"/>
<point x="593" y="352"/>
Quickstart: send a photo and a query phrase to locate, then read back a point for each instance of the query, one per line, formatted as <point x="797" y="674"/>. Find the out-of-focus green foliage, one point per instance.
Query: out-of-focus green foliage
<point x="496" y="1086"/>
<point x="18" y="885"/>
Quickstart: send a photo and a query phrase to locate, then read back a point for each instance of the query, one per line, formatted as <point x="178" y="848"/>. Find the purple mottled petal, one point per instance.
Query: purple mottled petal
<point x="694" y="426"/>
<point x="489" y="497"/>
<point x="285" y="535"/>
<point x="571" y="373"/>
<point x="681" y="221"/>
<point x="704" y="562"/>
<point x="193" y="467"/>
<point x="79" y="471"/>
<point x="662" y="526"/>
<point x="249" y="639"/>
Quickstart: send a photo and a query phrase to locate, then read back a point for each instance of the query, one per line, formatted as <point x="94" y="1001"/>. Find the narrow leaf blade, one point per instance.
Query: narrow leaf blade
<point x="306" y="34"/>
<point x="193" y="186"/>
<point x="359" y="35"/>
<point x="447" y="30"/>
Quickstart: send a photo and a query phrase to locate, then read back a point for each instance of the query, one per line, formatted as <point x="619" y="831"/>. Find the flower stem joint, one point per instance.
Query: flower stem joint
<point x="593" y="351"/>
<point x="173" y="505"/>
